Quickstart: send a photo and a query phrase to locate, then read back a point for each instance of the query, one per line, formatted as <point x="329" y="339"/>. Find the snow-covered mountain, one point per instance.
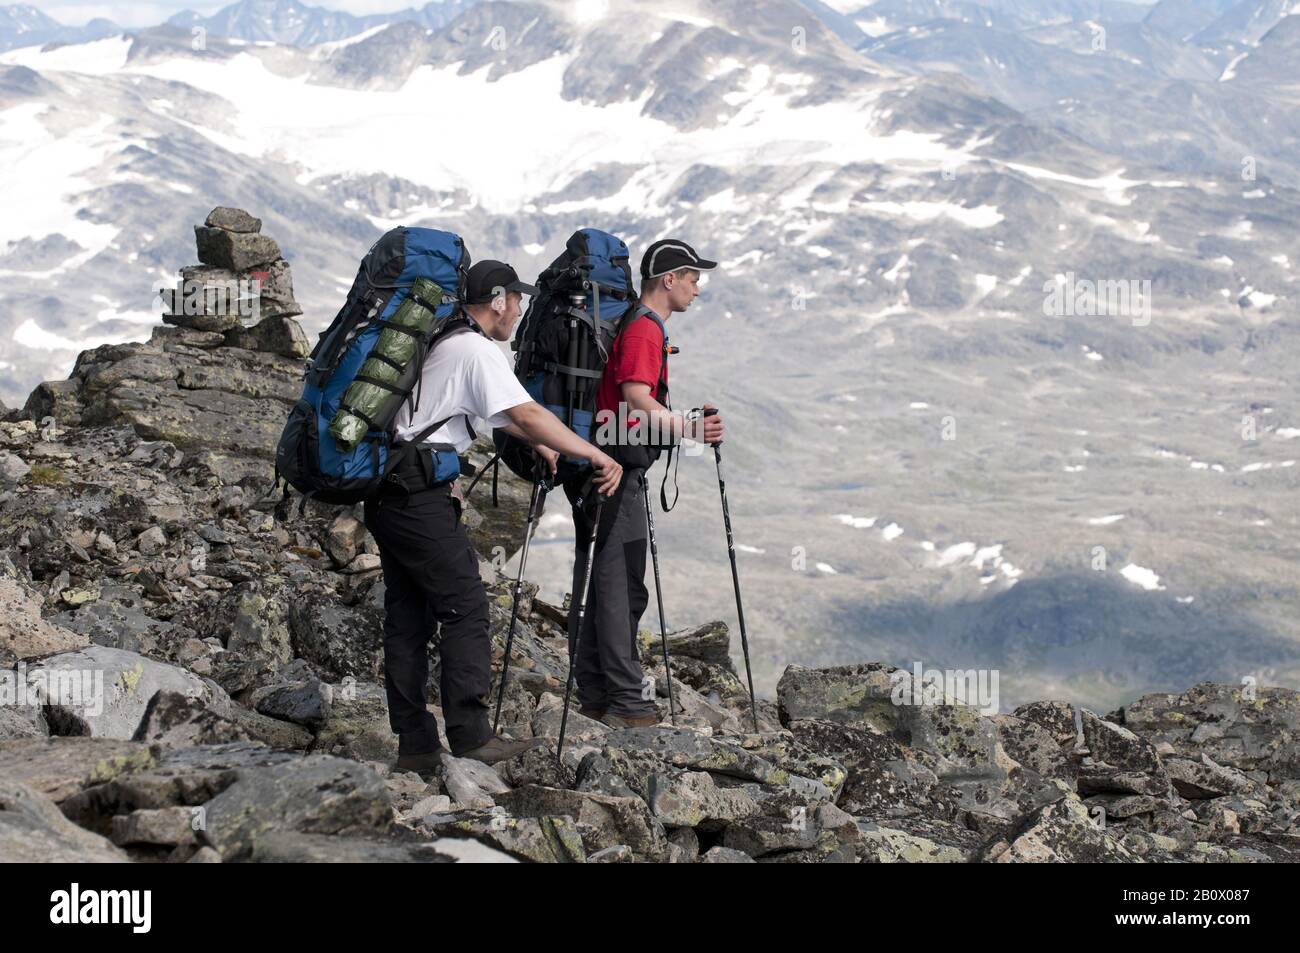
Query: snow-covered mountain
<point x="812" y="158"/>
<point x="23" y="20"/>
<point x="886" y="16"/>
<point x="287" y="22"/>
<point x="1183" y="19"/>
<point x="298" y="24"/>
<point x="892" y="227"/>
<point x="1247" y="21"/>
<point x="24" y="25"/>
<point x="1181" y="73"/>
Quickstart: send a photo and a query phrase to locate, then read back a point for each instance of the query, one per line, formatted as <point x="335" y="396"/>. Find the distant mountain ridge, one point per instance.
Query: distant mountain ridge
<point x="24" y="25"/>
<point x="298" y="24"/>
<point x="287" y="22"/>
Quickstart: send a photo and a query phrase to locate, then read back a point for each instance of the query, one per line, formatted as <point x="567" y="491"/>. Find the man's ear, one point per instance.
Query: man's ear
<point x="499" y="304"/>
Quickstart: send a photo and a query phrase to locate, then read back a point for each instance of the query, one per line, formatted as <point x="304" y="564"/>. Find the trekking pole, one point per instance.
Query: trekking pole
<point x="577" y="632"/>
<point x="659" y="596"/>
<point x="735" y="575"/>
<point x="541" y="485"/>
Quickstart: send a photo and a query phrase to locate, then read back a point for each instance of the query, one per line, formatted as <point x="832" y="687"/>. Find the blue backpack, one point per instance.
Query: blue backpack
<point x="585" y="297"/>
<point x="309" y="457"/>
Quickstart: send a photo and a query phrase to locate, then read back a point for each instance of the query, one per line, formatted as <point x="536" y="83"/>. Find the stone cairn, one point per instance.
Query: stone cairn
<point x="233" y="253"/>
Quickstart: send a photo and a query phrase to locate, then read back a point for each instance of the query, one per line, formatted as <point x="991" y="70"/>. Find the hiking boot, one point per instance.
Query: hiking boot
<point x="595" y="714"/>
<point x="425" y="763"/>
<point x="497" y="749"/>
<point x="630" y="721"/>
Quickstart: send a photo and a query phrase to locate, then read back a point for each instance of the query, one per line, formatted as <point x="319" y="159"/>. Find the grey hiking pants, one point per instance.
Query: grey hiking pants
<point x="608" y="662"/>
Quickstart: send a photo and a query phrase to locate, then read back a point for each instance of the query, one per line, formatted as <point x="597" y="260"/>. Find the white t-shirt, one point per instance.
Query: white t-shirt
<point x="465" y="374"/>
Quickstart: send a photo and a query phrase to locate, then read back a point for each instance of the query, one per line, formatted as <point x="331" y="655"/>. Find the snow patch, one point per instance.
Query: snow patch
<point x="45" y="173"/>
<point x="32" y="335"/>
<point x="857" y="522"/>
<point x="981" y="216"/>
<point x="1141" y="576"/>
<point x="329" y="130"/>
<point x="98" y="57"/>
<point x="1230" y="71"/>
<point x="956" y="553"/>
<point x="1105" y="520"/>
<point x="1113" y="186"/>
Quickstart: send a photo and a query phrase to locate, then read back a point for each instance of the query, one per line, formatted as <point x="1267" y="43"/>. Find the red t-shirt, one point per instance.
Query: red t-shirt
<point x="637" y="355"/>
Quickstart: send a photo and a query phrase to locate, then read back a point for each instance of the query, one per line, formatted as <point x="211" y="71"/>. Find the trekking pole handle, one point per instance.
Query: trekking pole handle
<point x="542" y="474"/>
<point x="709" y="412"/>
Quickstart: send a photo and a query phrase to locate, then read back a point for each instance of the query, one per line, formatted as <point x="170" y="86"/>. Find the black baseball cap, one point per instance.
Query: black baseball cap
<point x="669" y="254"/>
<point x="487" y="279"/>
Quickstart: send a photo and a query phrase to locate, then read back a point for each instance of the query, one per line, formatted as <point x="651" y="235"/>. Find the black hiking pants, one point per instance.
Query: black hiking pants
<point x="431" y="577"/>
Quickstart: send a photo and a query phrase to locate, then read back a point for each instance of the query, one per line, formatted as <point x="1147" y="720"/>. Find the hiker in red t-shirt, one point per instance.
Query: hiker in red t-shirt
<point x="632" y="405"/>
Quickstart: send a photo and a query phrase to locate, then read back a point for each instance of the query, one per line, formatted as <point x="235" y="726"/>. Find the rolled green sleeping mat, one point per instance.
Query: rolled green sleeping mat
<point x="373" y="400"/>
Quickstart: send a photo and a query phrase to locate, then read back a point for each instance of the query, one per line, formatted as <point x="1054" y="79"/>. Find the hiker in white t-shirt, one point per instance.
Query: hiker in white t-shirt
<point x="430" y="570"/>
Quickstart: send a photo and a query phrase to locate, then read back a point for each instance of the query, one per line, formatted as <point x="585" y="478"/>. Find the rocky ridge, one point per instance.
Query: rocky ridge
<point x="229" y="662"/>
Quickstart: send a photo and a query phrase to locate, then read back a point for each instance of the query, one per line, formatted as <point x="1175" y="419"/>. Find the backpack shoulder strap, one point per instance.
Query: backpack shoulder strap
<point x="457" y="325"/>
<point x="642" y="310"/>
